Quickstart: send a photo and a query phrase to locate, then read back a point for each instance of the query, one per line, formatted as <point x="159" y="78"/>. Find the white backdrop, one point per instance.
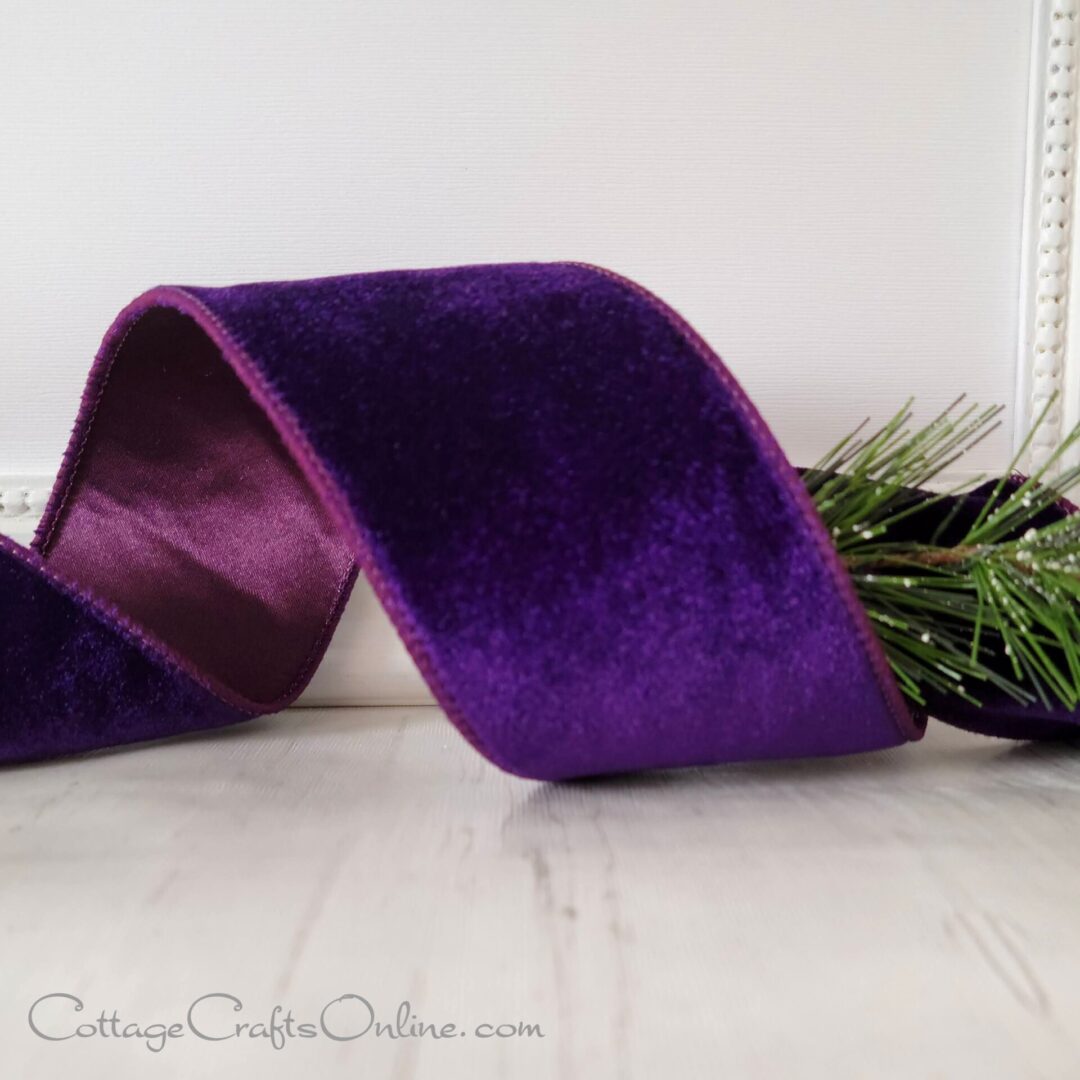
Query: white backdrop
<point x="831" y="190"/>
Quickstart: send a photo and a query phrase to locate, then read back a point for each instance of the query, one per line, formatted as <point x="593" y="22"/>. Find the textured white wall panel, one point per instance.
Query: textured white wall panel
<point x="832" y="191"/>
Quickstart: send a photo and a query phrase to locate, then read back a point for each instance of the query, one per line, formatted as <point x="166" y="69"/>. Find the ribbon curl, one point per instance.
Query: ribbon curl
<point x="587" y="538"/>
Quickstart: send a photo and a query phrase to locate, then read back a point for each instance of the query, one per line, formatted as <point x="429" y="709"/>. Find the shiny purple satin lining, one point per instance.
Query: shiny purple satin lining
<point x="185" y="509"/>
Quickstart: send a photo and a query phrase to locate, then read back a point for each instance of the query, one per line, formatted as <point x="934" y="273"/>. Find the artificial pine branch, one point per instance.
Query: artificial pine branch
<point x="983" y="598"/>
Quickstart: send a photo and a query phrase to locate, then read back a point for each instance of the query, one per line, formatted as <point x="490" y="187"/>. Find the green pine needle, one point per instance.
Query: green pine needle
<point x="997" y="607"/>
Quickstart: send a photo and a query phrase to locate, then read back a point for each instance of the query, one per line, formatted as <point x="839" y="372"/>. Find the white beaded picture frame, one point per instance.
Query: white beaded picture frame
<point x="1049" y="357"/>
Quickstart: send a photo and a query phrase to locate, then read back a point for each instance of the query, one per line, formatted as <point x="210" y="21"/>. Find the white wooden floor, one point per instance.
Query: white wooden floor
<point x="908" y="914"/>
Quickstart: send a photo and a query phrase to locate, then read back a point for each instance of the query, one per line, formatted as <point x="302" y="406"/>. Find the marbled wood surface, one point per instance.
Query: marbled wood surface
<point x="907" y="914"/>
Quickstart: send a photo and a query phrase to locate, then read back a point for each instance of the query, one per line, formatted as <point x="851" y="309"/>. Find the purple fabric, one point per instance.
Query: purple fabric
<point x="586" y="536"/>
<point x="997" y="714"/>
<point x="78" y="676"/>
<point x="215" y="538"/>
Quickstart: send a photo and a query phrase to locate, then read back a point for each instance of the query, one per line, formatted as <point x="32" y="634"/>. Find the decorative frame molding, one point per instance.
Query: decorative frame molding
<point x="1048" y="297"/>
<point x="22" y="502"/>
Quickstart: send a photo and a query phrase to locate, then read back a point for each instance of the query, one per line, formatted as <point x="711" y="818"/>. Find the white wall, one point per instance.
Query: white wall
<point x="831" y="190"/>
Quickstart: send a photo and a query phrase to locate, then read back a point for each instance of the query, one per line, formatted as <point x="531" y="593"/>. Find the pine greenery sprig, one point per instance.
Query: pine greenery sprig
<point x="990" y="599"/>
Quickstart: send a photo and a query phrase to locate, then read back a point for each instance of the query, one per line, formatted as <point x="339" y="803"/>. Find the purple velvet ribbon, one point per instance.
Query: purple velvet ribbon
<point x="589" y="541"/>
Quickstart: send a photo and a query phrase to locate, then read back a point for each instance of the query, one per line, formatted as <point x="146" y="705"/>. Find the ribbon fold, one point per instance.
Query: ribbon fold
<point x="589" y="541"/>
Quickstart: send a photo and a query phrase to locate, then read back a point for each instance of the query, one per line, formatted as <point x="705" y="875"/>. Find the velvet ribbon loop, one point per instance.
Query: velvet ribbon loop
<point x="586" y="536"/>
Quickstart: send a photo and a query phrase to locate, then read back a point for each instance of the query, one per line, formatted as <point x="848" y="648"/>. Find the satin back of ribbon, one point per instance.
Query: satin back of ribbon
<point x="587" y="538"/>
